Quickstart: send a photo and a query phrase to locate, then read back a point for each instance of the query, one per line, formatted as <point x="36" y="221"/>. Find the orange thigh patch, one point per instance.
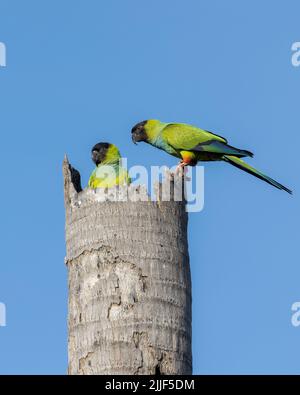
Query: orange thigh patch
<point x="187" y="156"/>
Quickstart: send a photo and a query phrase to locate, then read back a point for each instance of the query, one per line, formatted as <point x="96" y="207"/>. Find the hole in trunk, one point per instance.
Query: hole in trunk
<point x="157" y="370"/>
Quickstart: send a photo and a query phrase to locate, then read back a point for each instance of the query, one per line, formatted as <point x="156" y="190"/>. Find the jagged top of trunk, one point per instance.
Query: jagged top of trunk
<point x="170" y="190"/>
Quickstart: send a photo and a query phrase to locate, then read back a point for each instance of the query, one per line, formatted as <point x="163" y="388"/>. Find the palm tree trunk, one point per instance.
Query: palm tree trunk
<point x="129" y="284"/>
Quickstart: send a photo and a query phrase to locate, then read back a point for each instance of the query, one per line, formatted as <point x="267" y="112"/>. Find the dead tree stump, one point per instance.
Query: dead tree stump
<point x="129" y="283"/>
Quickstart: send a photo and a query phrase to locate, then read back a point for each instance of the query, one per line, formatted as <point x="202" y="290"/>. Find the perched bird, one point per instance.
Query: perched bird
<point x="192" y="144"/>
<point x="109" y="171"/>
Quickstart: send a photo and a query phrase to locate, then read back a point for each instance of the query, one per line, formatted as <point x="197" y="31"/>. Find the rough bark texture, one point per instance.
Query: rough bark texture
<point x="129" y="284"/>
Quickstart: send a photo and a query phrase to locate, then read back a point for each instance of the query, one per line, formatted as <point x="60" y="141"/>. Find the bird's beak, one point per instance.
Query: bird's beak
<point x="95" y="157"/>
<point x="133" y="137"/>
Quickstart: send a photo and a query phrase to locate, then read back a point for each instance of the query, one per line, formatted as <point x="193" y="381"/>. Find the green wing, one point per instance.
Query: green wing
<point x="185" y="137"/>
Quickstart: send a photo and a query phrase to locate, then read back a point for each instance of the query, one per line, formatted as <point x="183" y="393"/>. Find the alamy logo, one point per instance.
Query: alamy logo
<point x="296" y="316"/>
<point x="2" y="314"/>
<point x="2" y="54"/>
<point x="296" y="54"/>
<point x="178" y="184"/>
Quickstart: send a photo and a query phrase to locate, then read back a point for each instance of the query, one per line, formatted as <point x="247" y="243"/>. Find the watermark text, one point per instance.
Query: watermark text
<point x="2" y="314"/>
<point x="2" y="54"/>
<point x="296" y="315"/>
<point x="174" y="184"/>
<point x="296" y="54"/>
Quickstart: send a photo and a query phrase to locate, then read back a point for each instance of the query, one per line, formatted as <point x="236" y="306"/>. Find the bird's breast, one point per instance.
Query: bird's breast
<point x="163" y="145"/>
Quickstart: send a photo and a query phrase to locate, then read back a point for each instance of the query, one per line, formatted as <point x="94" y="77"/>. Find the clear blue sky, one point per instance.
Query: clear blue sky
<point x="85" y="71"/>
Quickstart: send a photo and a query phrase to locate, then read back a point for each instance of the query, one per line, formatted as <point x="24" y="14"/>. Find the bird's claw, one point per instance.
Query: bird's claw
<point x="181" y="170"/>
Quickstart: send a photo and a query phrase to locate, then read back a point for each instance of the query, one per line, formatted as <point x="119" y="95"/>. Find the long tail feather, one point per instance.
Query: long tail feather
<point x="218" y="147"/>
<point x="237" y="162"/>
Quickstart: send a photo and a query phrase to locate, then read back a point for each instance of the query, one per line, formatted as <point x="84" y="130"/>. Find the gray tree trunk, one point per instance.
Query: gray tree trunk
<point x="129" y="284"/>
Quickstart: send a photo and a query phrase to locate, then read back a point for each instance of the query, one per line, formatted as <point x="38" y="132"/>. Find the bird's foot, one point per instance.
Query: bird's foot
<point x="181" y="170"/>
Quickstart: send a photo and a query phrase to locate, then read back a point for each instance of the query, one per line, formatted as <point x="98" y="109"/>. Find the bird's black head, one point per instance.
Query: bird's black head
<point x="138" y="132"/>
<point x="99" y="152"/>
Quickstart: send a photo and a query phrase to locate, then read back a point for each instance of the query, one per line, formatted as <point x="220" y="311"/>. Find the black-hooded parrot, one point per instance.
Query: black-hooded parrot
<point x="109" y="171"/>
<point x="192" y="144"/>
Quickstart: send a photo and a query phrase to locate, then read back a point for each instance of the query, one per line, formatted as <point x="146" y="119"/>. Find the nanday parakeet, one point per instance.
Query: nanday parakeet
<point x="109" y="171"/>
<point x="192" y="144"/>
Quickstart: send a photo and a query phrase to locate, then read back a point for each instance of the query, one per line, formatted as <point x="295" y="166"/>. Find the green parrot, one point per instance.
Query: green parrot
<point x="108" y="171"/>
<point x="192" y="144"/>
